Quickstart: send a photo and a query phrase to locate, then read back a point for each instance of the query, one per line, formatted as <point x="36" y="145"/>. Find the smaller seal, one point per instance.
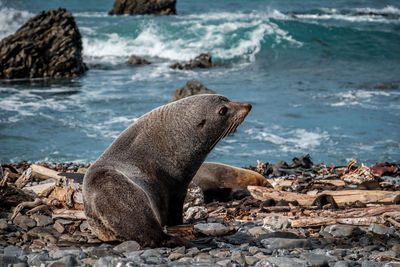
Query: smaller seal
<point x="216" y="180"/>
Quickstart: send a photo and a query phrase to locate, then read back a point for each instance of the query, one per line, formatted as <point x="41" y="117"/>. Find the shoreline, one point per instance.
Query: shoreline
<point x="248" y="230"/>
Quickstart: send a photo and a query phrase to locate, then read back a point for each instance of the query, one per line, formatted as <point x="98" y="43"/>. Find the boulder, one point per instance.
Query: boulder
<point x="192" y="87"/>
<point x="141" y="7"/>
<point x="201" y="61"/>
<point x="136" y="60"/>
<point x="47" y="45"/>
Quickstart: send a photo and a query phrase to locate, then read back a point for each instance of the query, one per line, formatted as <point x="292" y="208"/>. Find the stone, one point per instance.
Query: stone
<point x="14" y="251"/>
<point x="104" y="262"/>
<point x="47" y="45"/>
<point x="38" y="259"/>
<point x="251" y="260"/>
<point x="283" y="262"/>
<point x="127" y="246"/>
<point x="24" y="222"/>
<point x="151" y="253"/>
<point x="194" y="214"/>
<point x="225" y="263"/>
<point x="201" y="61"/>
<point x="219" y="253"/>
<point x="42" y="220"/>
<point x="254" y="250"/>
<point x="370" y="264"/>
<point x="396" y="249"/>
<point x="175" y="256"/>
<point x="285" y="243"/>
<point x="59" y="227"/>
<point x="211" y="229"/>
<point x="192" y="87"/>
<point x="381" y="229"/>
<point x="391" y="264"/>
<point x="136" y="60"/>
<point x="238" y="238"/>
<point x="84" y="227"/>
<point x="60" y="253"/>
<point x="100" y="252"/>
<point x="343" y="264"/>
<point x="238" y="257"/>
<point x="140" y="7"/>
<point x="3" y="224"/>
<point x="5" y="260"/>
<point x="276" y="222"/>
<point x="338" y="230"/>
<point x="203" y="258"/>
<point x="257" y="231"/>
<point x="316" y="259"/>
<point x="68" y="260"/>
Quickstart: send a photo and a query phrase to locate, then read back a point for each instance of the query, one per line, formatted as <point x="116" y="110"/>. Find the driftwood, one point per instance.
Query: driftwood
<point x="24" y="178"/>
<point x="46" y="172"/>
<point x="342" y="197"/>
<point x="354" y="216"/>
<point x="69" y="214"/>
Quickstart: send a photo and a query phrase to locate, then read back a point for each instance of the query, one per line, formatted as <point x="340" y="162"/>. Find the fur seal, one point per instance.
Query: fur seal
<point x="217" y="180"/>
<point x="139" y="183"/>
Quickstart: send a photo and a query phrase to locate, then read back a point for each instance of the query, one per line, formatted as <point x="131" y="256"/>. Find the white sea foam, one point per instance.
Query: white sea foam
<point x="225" y="35"/>
<point x="11" y="19"/>
<point x="297" y="140"/>
<point x="359" y="97"/>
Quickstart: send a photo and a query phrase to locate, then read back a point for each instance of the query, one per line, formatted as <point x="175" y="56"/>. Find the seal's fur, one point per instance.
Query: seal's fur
<point x="140" y="182"/>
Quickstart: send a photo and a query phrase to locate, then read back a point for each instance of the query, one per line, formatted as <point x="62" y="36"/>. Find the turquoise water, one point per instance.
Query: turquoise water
<point x="323" y="78"/>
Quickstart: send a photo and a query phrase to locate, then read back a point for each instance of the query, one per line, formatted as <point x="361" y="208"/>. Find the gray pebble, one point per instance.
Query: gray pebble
<point x="286" y="243"/>
<point x="316" y="259"/>
<point x="251" y="260"/>
<point x="283" y="262"/>
<point x="24" y="222"/>
<point x="225" y="263"/>
<point x="211" y="229"/>
<point x="339" y="230"/>
<point x="238" y="257"/>
<point x="14" y="251"/>
<point x="127" y="246"/>
<point x="380" y="229"/>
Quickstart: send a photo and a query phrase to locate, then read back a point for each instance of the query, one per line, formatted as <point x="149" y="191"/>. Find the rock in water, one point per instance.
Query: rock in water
<point x="136" y="60"/>
<point x="192" y="87"/>
<point x="202" y="61"/>
<point x="48" y="45"/>
<point x="140" y="7"/>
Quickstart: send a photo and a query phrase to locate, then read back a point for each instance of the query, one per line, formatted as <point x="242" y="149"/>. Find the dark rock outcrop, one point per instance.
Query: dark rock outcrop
<point x="135" y="60"/>
<point x="141" y="7"/>
<point x="201" y="61"/>
<point x="48" y="45"/>
<point x="192" y="87"/>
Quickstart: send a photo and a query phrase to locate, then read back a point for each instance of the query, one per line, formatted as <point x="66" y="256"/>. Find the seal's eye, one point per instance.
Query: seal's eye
<point x="223" y="111"/>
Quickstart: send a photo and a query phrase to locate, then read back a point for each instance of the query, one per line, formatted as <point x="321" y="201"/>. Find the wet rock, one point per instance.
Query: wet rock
<point x="68" y="260"/>
<point x="48" y="45"/>
<point x="283" y="262"/>
<point x="151" y="253"/>
<point x="380" y="229"/>
<point x="42" y="220"/>
<point x="212" y="229"/>
<point x="192" y="87"/>
<point x="136" y="60"/>
<point x="140" y="7"/>
<point x="239" y="238"/>
<point x="285" y="243"/>
<point x="276" y="222"/>
<point x="337" y="230"/>
<point x="201" y="61"/>
<point x="24" y="222"/>
<point x="127" y="246"/>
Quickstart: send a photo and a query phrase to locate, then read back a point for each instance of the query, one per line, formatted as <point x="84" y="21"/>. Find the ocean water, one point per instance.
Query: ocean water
<point x="323" y="78"/>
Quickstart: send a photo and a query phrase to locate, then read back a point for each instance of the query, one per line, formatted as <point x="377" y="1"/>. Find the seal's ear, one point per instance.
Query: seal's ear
<point x="201" y="124"/>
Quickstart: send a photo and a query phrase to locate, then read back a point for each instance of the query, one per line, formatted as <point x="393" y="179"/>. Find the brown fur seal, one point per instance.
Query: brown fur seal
<point x="216" y="180"/>
<point x="139" y="183"/>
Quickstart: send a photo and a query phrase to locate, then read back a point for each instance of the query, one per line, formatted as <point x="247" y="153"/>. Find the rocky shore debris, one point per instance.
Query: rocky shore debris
<point x="136" y="60"/>
<point x="47" y="45"/>
<point x="201" y="61"/>
<point x="141" y="7"/>
<point x="309" y="216"/>
<point x="192" y="87"/>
